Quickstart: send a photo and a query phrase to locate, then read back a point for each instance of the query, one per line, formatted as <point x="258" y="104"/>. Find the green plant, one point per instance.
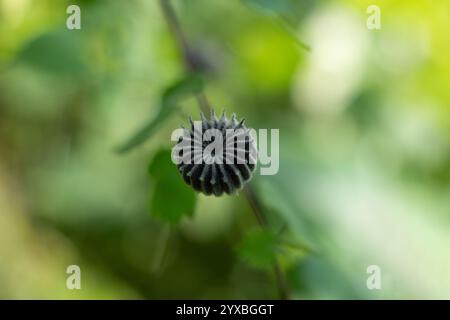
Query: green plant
<point x="213" y="178"/>
<point x="260" y="249"/>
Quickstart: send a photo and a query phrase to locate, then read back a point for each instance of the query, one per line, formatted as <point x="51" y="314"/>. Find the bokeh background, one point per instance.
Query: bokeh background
<point x="364" y="123"/>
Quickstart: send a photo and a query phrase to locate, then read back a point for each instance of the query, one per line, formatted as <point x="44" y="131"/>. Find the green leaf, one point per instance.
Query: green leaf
<point x="185" y="87"/>
<point x="193" y="83"/>
<point x="159" y="165"/>
<point x="287" y="13"/>
<point x="290" y="253"/>
<point x="172" y="199"/>
<point x="257" y="249"/>
<point x="277" y="6"/>
<point x="54" y="52"/>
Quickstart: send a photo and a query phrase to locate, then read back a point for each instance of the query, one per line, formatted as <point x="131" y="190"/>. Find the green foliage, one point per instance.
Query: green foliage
<point x="290" y="253"/>
<point x="291" y="10"/>
<point x="260" y="248"/>
<point x="58" y="53"/>
<point x="375" y="158"/>
<point x="287" y="12"/>
<point x="276" y="6"/>
<point x="191" y="84"/>
<point x="257" y="249"/>
<point x="172" y="198"/>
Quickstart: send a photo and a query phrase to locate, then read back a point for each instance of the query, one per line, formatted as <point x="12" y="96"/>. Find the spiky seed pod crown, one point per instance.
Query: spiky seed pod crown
<point x="238" y="154"/>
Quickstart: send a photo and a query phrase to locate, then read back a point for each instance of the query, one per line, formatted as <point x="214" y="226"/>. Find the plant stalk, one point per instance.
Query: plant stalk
<point x="183" y="46"/>
<point x="204" y="105"/>
<point x="258" y="210"/>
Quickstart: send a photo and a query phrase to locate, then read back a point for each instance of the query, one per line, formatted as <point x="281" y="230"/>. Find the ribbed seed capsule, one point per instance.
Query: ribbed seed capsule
<point x="206" y="171"/>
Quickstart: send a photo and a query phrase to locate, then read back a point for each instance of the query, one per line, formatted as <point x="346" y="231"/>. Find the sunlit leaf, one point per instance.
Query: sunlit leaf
<point x="169" y="104"/>
<point x="257" y="249"/>
<point x="172" y="198"/>
<point x="287" y="14"/>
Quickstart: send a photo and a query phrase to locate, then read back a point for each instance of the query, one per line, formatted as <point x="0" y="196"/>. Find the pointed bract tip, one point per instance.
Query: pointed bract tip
<point x="213" y="115"/>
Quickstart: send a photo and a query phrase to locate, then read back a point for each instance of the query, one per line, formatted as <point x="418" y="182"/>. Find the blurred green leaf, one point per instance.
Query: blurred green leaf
<point x="183" y="88"/>
<point x="290" y="253"/>
<point x="192" y="83"/>
<point x="323" y="278"/>
<point x="257" y="249"/>
<point x="158" y="167"/>
<point x="292" y="10"/>
<point x="277" y="6"/>
<point x="286" y="12"/>
<point x="280" y="199"/>
<point x="59" y="53"/>
<point x="172" y="198"/>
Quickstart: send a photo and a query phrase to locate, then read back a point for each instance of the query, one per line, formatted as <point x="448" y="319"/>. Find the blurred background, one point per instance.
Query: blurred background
<point x="364" y="123"/>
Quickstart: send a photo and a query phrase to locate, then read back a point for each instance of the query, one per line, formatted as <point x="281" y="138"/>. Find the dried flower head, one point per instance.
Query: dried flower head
<point x="217" y="170"/>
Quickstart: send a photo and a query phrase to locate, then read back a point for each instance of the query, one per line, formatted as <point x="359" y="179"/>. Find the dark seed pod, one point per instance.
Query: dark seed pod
<point x="203" y="170"/>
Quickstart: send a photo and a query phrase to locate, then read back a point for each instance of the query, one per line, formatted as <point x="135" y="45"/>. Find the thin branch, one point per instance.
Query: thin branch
<point x="256" y="205"/>
<point x="205" y="106"/>
<point x="258" y="210"/>
<point x="183" y="46"/>
<point x="177" y="32"/>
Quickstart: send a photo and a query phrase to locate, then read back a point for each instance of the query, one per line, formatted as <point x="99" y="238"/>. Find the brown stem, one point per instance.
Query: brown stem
<point x="205" y="106"/>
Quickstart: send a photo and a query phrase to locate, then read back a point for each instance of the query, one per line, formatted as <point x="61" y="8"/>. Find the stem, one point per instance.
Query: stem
<point x="258" y="210"/>
<point x="183" y="46"/>
<point x="256" y="206"/>
<point x="161" y="249"/>
<point x="202" y="100"/>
